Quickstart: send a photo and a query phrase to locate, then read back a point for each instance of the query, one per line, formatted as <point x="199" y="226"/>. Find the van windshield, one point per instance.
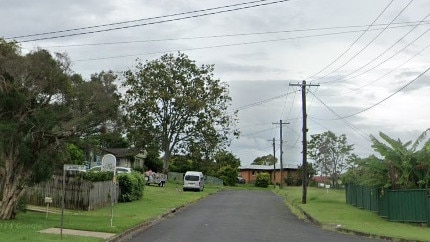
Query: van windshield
<point x="191" y="178"/>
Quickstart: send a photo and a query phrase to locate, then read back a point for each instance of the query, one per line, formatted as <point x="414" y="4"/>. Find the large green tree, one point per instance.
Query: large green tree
<point x="225" y="158"/>
<point x="332" y="155"/>
<point x="173" y="102"/>
<point x="43" y="106"/>
<point x="265" y="160"/>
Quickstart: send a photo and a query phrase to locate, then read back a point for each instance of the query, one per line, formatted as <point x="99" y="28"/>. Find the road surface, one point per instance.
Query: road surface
<point x="239" y="216"/>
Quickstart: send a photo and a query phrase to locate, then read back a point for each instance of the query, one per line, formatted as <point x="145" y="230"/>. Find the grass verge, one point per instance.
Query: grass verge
<point x="329" y="208"/>
<point x="155" y="202"/>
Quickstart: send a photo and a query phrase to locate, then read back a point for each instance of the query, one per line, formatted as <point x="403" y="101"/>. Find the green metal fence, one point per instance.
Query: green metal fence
<point x="408" y="206"/>
<point x="394" y="205"/>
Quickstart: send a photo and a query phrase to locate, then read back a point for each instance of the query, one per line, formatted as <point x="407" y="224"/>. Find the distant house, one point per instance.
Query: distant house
<point x="126" y="157"/>
<point x="249" y="172"/>
<point x="321" y="179"/>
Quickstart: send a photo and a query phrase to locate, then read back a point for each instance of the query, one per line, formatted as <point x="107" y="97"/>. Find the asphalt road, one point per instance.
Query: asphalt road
<point x="239" y="216"/>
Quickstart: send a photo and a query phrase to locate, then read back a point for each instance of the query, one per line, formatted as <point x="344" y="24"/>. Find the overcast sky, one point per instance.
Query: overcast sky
<point x="369" y="57"/>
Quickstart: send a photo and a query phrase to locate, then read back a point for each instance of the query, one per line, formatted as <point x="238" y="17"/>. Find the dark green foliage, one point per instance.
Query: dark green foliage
<point x="265" y="160"/>
<point x="332" y="155"/>
<point x="97" y="176"/>
<point x="228" y="174"/>
<point x="225" y="158"/>
<point x="131" y="186"/>
<point x="402" y="166"/>
<point x="43" y="107"/>
<point x="182" y="164"/>
<point x="177" y="106"/>
<point x="262" y="180"/>
<point x="310" y="171"/>
<point x="153" y="161"/>
<point x="139" y="169"/>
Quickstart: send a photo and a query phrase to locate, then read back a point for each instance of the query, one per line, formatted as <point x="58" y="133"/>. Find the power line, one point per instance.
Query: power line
<point x="260" y="102"/>
<point x="367" y="45"/>
<point x="385" y="51"/>
<point x="399" y="25"/>
<point x="381" y="101"/>
<point x="353" y="43"/>
<point x="386" y="74"/>
<point x="367" y="148"/>
<point x="218" y="46"/>
<point x="361" y="133"/>
<point x="156" y="22"/>
<point x="133" y="21"/>
<point x="388" y="58"/>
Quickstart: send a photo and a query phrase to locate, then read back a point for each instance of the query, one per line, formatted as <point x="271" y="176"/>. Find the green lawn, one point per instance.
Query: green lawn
<point x="156" y="201"/>
<point x="330" y="209"/>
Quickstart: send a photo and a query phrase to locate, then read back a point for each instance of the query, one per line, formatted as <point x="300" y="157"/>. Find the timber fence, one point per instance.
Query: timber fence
<point x="79" y="194"/>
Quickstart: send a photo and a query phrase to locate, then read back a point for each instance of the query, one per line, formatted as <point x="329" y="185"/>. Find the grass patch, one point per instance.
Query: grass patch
<point x="155" y="202"/>
<point x="330" y="209"/>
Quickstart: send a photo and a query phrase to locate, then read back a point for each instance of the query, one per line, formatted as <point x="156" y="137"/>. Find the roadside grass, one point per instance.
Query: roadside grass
<point x="155" y="202"/>
<point x="331" y="210"/>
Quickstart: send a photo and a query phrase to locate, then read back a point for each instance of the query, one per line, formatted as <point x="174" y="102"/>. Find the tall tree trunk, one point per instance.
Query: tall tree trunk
<point x="11" y="195"/>
<point x="12" y="189"/>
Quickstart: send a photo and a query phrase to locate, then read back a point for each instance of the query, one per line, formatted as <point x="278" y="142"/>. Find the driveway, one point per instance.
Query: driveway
<point x="239" y="216"/>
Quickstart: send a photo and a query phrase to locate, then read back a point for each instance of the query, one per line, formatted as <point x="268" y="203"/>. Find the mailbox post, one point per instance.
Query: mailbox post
<point x="48" y="200"/>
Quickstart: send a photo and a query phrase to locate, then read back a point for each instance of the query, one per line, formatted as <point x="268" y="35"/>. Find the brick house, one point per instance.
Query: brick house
<point x="249" y="172"/>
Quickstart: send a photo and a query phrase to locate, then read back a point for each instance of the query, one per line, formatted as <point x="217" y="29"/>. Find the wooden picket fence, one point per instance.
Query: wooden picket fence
<point x="79" y="194"/>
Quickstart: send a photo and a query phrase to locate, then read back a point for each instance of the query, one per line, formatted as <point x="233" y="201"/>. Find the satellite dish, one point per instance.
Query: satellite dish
<point x="108" y="163"/>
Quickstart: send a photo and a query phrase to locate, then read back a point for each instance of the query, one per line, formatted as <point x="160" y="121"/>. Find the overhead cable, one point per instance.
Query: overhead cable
<point x="352" y="44"/>
<point x="155" y="22"/>
<point x="367" y="45"/>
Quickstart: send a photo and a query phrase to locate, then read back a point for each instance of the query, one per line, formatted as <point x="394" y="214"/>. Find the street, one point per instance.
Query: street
<point x="239" y="216"/>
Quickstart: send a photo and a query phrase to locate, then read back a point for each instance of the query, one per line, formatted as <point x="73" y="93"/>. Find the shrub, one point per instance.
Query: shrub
<point x="97" y="176"/>
<point x="131" y="186"/>
<point x="262" y="179"/>
<point x="228" y="174"/>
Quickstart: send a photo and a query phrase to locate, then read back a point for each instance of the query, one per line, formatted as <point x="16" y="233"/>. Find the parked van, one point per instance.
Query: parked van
<point x="194" y="180"/>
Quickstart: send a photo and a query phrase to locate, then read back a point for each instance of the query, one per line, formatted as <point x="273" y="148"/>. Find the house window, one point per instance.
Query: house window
<point x="253" y="173"/>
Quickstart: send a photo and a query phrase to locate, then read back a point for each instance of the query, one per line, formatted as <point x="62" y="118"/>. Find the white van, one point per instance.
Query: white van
<point x="194" y="180"/>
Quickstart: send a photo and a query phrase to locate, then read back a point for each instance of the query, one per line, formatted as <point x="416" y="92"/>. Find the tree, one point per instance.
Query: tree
<point x="43" y="106"/>
<point x="332" y="155"/>
<point x="265" y="160"/>
<point x="406" y="167"/>
<point x="178" y="105"/>
<point x="310" y="172"/>
<point x="228" y="175"/>
<point x="224" y="158"/>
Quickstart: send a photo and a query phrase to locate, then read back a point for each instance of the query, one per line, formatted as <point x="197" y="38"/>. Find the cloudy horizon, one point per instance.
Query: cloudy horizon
<point x="370" y="59"/>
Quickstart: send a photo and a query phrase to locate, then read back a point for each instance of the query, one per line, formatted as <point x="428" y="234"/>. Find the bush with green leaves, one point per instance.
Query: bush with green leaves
<point x="97" y="176"/>
<point x="131" y="186"/>
<point x="228" y="174"/>
<point x="262" y="179"/>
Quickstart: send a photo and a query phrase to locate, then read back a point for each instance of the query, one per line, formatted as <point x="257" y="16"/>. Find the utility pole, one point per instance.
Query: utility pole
<point x="274" y="162"/>
<point x="280" y="151"/>
<point x="304" y="130"/>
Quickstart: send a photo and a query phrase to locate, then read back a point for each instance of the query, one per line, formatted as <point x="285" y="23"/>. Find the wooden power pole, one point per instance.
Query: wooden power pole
<point x="304" y="130"/>
<point x="280" y="152"/>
